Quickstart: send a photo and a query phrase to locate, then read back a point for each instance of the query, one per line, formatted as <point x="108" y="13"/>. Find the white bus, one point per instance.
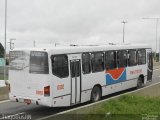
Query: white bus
<point x="65" y="76"/>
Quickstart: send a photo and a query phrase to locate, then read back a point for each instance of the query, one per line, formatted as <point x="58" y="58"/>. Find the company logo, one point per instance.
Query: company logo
<point x="136" y="71"/>
<point x="115" y="75"/>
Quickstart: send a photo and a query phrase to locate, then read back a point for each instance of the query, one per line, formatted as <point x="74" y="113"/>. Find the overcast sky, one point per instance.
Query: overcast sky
<point x="79" y="21"/>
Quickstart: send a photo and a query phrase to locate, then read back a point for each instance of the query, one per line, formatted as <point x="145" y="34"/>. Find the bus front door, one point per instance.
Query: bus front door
<point x="75" y="81"/>
<point x="150" y="66"/>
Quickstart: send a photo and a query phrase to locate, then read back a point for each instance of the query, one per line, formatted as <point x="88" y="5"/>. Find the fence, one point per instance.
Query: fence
<point x="2" y="72"/>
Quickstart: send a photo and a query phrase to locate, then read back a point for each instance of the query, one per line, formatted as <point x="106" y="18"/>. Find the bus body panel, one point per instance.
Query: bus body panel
<point x="60" y="91"/>
<point x="30" y="89"/>
<point x="25" y="86"/>
<point x="118" y="87"/>
<point x="61" y="101"/>
<point x="92" y="79"/>
<point x="132" y="75"/>
<point x="86" y="95"/>
<point x="76" y="87"/>
<point x="135" y="71"/>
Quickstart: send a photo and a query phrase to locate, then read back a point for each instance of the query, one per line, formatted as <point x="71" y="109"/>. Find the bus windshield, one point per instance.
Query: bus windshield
<point x="39" y="62"/>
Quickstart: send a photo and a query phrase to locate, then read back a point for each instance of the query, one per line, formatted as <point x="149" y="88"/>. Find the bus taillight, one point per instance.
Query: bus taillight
<point x="47" y="91"/>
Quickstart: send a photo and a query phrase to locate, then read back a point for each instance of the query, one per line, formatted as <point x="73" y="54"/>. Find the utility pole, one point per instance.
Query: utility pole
<point x="157" y="21"/>
<point x="5" y="37"/>
<point x="11" y="43"/>
<point x="34" y="43"/>
<point x="56" y="44"/>
<point x="124" y="22"/>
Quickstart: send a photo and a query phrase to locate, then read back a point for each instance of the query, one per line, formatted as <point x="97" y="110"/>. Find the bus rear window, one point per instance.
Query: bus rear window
<point x="39" y="62"/>
<point x="18" y="60"/>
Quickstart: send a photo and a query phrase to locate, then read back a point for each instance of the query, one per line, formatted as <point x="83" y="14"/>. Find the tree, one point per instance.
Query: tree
<point x="1" y="51"/>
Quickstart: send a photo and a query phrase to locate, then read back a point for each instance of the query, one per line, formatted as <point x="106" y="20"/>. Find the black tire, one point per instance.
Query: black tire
<point x="96" y="94"/>
<point x="140" y="83"/>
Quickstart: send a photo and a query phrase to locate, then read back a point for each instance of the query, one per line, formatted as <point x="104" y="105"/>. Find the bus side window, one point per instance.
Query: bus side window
<point x="60" y="66"/>
<point x="86" y="67"/>
<point x="97" y="62"/>
<point x="122" y="58"/>
<point x="110" y="60"/>
<point x="132" y="57"/>
<point x="141" y="56"/>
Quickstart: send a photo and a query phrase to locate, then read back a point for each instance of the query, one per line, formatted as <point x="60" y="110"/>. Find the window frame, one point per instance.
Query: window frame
<point x="115" y="59"/>
<point x="138" y="56"/>
<point x="121" y="59"/>
<point x="90" y="69"/>
<point x="94" y="71"/>
<point x="52" y="57"/>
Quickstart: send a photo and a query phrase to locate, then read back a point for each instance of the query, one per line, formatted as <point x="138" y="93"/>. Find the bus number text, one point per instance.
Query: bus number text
<point x="38" y="92"/>
<point x="60" y="87"/>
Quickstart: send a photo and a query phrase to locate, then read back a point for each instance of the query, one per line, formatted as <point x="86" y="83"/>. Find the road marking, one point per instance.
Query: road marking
<point x="96" y="102"/>
<point x="10" y="116"/>
<point x="4" y="101"/>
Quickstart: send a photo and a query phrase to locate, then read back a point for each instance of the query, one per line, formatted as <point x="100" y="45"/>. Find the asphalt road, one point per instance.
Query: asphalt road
<point x="12" y="109"/>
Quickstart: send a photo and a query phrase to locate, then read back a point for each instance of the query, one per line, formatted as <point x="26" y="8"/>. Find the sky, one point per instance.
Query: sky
<point x="79" y="22"/>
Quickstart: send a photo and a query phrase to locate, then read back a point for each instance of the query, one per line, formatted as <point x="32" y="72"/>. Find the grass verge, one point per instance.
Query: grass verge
<point x="141" y="105"/>
<point x="2" y="77"/>
<point x="127" y="107"/>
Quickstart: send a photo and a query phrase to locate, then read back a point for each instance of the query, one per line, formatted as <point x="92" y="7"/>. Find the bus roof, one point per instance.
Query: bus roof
<point x="79" y="49"/>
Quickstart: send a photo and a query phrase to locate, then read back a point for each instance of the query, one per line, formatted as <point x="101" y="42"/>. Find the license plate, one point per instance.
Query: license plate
<point x="28" y="101"/>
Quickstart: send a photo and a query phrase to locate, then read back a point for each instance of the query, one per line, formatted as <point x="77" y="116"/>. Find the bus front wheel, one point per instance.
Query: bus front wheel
<point x="96" y="94"/>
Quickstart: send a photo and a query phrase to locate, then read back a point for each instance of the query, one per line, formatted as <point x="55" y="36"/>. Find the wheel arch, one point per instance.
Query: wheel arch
<point x="95" y="89"/>
<point x="98" y="85"/>
<point x="141" y="76"/>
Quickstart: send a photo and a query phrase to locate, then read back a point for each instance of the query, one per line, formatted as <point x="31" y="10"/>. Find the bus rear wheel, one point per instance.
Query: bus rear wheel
<point x="140" y="82"/>
<point x="96" y="94"/>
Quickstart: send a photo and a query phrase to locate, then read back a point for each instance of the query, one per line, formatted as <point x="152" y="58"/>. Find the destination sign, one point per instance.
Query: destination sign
<point x="37" y="53"/>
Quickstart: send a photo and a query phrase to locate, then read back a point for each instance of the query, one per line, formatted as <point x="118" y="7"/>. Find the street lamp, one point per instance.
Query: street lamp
<point x="157" y="20"/>
<point x="124" y="22"/>
<point x="34" y="43"/>
<point x="11" y="43"/>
